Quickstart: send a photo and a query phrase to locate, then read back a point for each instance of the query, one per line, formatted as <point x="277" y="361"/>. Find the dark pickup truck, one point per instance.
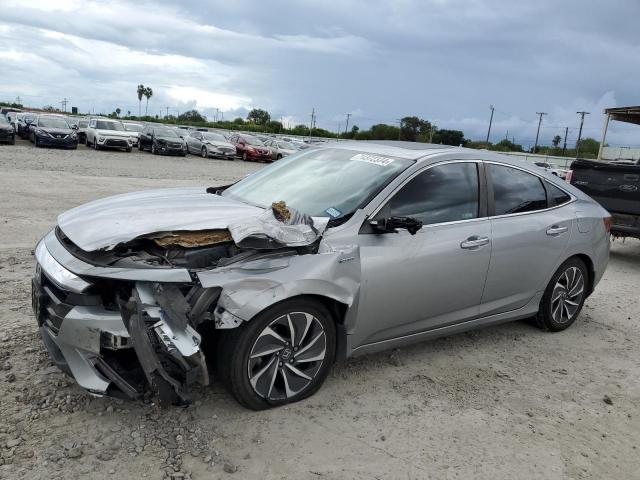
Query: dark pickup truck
<point x="615" y="186"/>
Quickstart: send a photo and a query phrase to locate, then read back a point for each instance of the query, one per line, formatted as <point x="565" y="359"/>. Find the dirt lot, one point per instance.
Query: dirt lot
<point x="501" y="403"/>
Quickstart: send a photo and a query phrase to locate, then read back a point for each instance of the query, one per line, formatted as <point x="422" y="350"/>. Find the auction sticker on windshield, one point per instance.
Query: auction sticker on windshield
<point x="375" y="159"/>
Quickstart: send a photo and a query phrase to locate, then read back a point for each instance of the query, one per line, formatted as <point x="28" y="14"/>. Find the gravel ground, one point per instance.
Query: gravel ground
<point x="501" y="403"/>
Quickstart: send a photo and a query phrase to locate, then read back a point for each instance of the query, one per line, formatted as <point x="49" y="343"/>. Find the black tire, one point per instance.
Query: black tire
<point x="129" y="149"/>
<point x="236" y="346"/>
<point x="13" y="140"/>
<point x="95" y="144"/>
<point x="204" y="153"/>
<point x="278" y="157"/>
<point x="154" y="150"/>
<point x="560" y="305"/>
<point x="244" y="156"/>
<point x="140" y="147"/>
<point x="35" y="142"/>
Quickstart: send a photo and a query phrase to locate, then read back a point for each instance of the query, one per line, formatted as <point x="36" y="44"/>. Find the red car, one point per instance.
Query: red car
<point x="250" y="148"/>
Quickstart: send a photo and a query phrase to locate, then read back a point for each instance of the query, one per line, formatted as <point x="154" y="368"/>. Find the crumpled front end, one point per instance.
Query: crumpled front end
<point x="130" y="319"/>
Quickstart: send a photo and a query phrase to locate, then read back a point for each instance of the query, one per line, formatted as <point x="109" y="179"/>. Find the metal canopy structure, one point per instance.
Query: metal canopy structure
<point x="620" y="114"/>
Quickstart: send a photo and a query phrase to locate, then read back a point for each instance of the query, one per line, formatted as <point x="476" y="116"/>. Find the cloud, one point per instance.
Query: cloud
<point x="445" y="61"/>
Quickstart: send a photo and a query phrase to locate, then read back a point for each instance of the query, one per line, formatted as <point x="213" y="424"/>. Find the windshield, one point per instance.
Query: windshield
<point x="52" y="122"/>
<point x="165" y="132"/>
<point x="108" y="125"/>
<point x="323" y="183"/>
<point x="286" y="146"/>
<point x="132" y="127"/>
<point x="253" y="141"/>
<point x="214" y="137"/>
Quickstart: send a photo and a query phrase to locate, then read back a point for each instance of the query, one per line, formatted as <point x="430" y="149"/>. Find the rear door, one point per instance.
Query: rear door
<point x="530" y="230"/>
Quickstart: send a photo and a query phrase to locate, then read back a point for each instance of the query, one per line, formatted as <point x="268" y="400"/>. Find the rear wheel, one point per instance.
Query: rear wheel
<point x="282" y="355"/>
<point x="204" y="152"/>
<point x="564" y="296"/>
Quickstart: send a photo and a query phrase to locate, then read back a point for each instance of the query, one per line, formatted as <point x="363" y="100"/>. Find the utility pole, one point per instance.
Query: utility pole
<point x="564" y="147"/>
<point x="313" y="117"/>
<point x="64" y="104"/>
<point x="490" y="122"/>
<point x="582" y="114"/>
<point x="535" y="147"/>
<point x="346" y="127"/>
<point x="399" y="128"/>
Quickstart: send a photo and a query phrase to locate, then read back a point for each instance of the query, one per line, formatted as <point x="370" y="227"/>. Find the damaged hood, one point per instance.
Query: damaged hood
<point x="121" y="218"/>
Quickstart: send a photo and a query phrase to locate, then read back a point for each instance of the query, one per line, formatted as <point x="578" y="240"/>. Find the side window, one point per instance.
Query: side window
<point x="445" y="193"/>
<point x="556" y="195"/>
<point x="516" y="191"/>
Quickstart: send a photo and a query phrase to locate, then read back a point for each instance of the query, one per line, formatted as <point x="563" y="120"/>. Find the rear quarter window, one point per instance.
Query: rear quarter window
<point x="556" y="195"/>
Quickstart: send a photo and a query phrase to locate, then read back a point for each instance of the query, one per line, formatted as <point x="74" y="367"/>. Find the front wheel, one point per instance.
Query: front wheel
<point x="154" y="149"/>
<point x="204" y="152"/>
<point x="564" y="296"/>
<point x="282" y="355"/>
<point x="244" y="156"/>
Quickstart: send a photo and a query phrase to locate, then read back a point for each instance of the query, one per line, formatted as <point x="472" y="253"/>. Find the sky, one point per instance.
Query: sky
<point x="446" y="61"/>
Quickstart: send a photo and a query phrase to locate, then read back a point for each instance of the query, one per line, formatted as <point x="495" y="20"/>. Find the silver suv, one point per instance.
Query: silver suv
<point x="332" y="252"/>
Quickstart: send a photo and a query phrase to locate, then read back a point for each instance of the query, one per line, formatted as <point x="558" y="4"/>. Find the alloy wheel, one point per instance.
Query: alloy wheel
<point x="286" y="356"/>
<point x="567" y="295"/>
<point x="205" y="154"/>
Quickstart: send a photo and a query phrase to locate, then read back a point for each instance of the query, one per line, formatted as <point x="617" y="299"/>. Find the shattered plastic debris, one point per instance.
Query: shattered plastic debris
<point x="277" y="227"/>
<point x="193" y="239"/>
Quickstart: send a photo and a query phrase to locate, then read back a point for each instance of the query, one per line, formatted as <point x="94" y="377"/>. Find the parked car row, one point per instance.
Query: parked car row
<point x="56" y="130"/>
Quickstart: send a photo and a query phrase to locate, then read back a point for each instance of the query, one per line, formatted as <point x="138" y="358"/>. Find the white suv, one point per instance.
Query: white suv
<point x="109" y="133"/>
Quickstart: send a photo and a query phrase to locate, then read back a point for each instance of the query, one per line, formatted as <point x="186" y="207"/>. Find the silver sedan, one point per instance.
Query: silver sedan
<point x="330" y="253"/>
<point x="209" y="144"/>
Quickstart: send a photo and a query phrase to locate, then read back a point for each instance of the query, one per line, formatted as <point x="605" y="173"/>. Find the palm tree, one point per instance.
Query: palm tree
<point x="148" y="92"/>
<point x="118" y="111"/>
<point x="141" y="91"/>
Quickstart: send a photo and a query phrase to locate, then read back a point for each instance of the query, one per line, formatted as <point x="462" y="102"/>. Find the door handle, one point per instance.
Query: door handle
<point x="555" y="230"/>
<point x="474" y="242"/>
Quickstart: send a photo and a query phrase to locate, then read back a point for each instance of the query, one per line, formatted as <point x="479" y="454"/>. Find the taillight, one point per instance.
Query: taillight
<point x="568" y="176"/>
<point x="608" y="221"/>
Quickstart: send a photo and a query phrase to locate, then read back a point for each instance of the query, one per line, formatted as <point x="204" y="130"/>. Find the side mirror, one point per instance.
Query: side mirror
<point x="390" y="225"/>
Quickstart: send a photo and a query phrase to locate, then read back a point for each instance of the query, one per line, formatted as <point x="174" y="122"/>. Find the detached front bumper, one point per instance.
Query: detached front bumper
<point x="110" y="347"/>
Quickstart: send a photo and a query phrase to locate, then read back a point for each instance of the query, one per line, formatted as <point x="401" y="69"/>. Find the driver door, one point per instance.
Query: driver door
<point x="414" y="283"/>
